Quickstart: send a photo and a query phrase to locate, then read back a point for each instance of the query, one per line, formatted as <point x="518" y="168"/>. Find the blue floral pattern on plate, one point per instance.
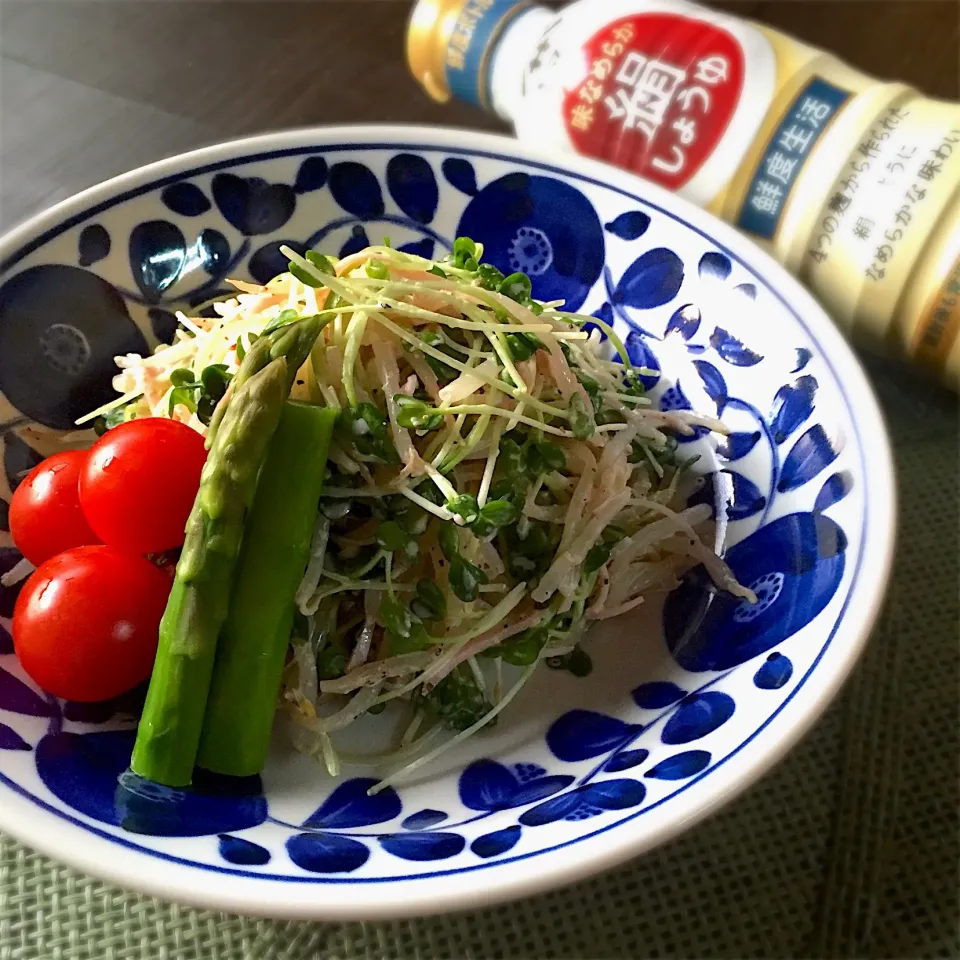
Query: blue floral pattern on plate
<point x="654" y="718"/>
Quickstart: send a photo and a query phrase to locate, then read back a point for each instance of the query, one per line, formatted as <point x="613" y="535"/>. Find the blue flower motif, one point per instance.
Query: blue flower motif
<point x="542" y="227"/>
<point x="793" y="564"/>
<point x="60" y="328"/>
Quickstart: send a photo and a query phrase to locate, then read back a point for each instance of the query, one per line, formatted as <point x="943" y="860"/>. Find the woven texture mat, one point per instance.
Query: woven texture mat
<point x="849" y="849"/>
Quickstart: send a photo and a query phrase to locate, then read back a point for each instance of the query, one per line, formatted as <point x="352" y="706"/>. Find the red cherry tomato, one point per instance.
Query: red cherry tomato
<point x="45" y="514"/>
<point x="85" y="624"/>
<point x="140" y="482"/>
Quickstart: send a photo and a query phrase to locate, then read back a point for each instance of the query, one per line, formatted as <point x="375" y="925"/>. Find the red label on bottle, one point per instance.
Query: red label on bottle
<point x="659" y="93"/>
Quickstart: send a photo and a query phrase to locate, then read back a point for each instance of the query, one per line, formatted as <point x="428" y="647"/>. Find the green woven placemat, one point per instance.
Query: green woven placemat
<point x="848" y="849"/>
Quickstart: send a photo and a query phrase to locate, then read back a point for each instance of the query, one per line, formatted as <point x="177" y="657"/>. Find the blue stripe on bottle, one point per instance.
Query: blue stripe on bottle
<point x="467" y="57"/>
<point x="788" y="150"/>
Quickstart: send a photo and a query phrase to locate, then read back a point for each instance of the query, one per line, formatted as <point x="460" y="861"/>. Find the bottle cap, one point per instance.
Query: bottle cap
<point x="450" y="42"/>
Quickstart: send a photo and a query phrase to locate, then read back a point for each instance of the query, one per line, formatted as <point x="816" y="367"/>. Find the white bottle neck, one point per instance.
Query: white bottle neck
<point x="510" y="59"/>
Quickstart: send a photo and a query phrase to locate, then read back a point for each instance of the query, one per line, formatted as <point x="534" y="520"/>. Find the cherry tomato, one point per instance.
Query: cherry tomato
<point x="45" y="514"/>
<point x="140" y="482"/>
<point x="85" y="624"/>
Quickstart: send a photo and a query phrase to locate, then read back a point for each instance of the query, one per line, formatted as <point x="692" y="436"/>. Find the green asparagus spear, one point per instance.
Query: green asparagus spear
<point x="246" y="418"/>
<point x="254" y="640"/>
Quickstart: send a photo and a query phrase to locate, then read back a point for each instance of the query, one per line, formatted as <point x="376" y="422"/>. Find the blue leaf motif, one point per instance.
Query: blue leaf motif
<point x="540" y="788"/>
<point x="833" y="491"/>
<point x="685" y="321"/>
<point x="420" y="248"/>
<point x="327" y="852"/>
<point x="6" y="641"/>
<point x="810" y="455"/>
<point x="17" y="697"/>
<point x="11" y="740"/>
<point x="629" y="226"/>
<point x="714" y="264"/>
<point x="680" y="766"/>
<point x="268" y="262"/>
<point x="460" y="174"/>
<point x="4" y="514"/>
<point x="19" y="458"/>
<point x="552" y="810"/>
<point x="792" y="405"/>
<point x="158" y="254"/>
<point x="581" y="734"/>
<point x="251" y="204"/>
<point x="713" y="383"/>
<point x="738" y="445"/>
<point x="657" y="694"/>
<point x="732" y="350"/>
<point x="698" y="715"/>
<point x="774" y="672"/>
<point x="493" y="844"/>
<point x="163" y="323"/>
<point x="652" y="280"/>
<point x="413" y="186"/>
<point x="213" y="250"/>
<point x="614" y="794"/>
<point x="747" y="289"/>
<point x="357" y="242"/>
<point x="185" y="198"/>
<point x="642" y="357"/>
<point x="9" y="557"/>
<point x="311" y="176"/>
<point x="626" y="759"/>
<point x="350" y="806"/>
<point x="747" y="499"/>
<point x="242" y="852"/>
<point x="356" y="189"/>
<point x="423" y="819"/>
<point x="423" y="846"/>
<point x="487" y="785"/>
<point x="94" y="245"/>
<point x="804" y="356"/>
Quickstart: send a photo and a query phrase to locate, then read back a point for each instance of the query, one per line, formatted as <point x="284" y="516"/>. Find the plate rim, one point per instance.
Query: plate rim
<point x="286" y="899"/>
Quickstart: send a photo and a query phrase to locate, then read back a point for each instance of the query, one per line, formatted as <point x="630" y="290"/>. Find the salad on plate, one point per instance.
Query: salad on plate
<point x="373" y="480"/>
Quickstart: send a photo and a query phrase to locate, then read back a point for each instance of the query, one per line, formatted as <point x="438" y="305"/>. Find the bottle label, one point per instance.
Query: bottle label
<point x="803" y="124"/>
<point x="659" y="93"/>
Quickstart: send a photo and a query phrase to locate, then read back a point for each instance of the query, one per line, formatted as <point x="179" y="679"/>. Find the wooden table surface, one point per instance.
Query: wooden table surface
<point x="90" y="88"/>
